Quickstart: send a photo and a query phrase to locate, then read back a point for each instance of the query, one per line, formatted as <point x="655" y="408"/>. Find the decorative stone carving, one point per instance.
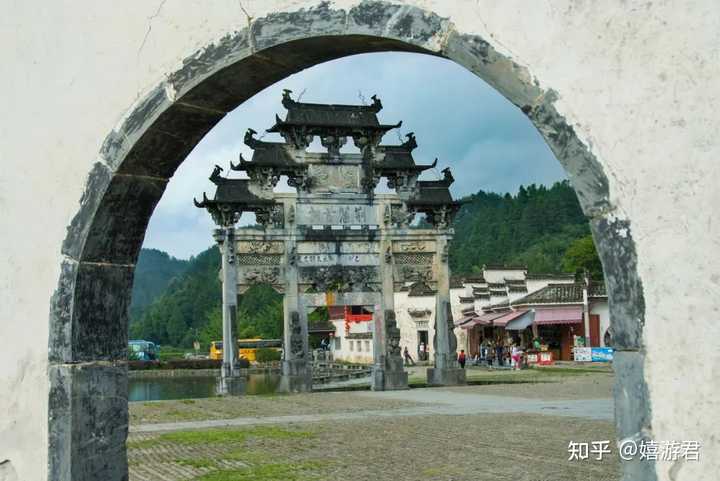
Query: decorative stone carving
<point x="263" y="276"/>
<point x="413" y="247"/>
<point x="452" y="339"/>
<point x="258" y="259"/>
<point x="419" y="313"/>
<point x="392" y="334"/>
<point x="272" y="216"/>
<point x="291" y="215"/>
<point x="297" y="348"/>
<point x="292" y="256"/>
<point x="388" y="255"/>
<point x="402" y="215"/>
<point x="260" y="247"/>
<point x="422" y="258"/>
<point x="414" y="273"/>
<point x="339" y="278"/>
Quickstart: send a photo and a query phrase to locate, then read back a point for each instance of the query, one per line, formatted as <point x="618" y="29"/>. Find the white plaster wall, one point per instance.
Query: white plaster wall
<point x="408" y="326"/>
<point x="637" y="80"/>
<point x="499" y="275"/>
<point x="601" y="308"/>
<point x="537" y="284"/>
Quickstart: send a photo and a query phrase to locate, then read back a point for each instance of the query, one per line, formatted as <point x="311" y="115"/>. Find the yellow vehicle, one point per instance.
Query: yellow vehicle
<point x="216" y="350"/>
<point x="246" y="348"/>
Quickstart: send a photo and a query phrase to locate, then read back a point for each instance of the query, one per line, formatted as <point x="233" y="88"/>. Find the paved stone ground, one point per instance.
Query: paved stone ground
<point x="518" y="432"/>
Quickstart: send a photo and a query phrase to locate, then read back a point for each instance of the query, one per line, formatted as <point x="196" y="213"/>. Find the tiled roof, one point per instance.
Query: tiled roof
<point x="474" y="279"/>
<point x="500" y="267"/>
<point x="496" y="285"/>
<point x="466" y="300"/>
<point x="517" y="288"/>
<point x="554" y="294"/>
<point x="542" y="276"/>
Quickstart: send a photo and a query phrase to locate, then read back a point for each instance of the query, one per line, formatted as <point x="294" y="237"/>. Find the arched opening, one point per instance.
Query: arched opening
<point x="88" y="326"/>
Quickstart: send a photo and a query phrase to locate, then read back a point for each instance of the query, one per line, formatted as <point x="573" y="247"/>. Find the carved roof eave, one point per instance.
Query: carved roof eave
<point x="289" y="104"/>
<point x="421" y="205"/>
<point x="259" y="162"/>
<point x="249" y="206"/>
<point x="399" y="170"/>
<point x="282" y="126"/>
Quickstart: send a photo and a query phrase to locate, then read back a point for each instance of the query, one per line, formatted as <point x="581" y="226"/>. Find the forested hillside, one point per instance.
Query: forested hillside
<point x="155" y="269"/>
<point x="541" y="227"/>
<point x="534" y="228"/>
<point x="189" y="308"/>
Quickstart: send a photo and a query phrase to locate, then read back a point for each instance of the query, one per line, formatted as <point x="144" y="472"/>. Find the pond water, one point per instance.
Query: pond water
<point x="164" y="388"/>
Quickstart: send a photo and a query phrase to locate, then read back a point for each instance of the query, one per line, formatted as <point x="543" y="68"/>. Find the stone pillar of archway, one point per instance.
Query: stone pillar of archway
<point x="225" y="238"/>
<point x="296" y="365"/>
<point x="446" y="371"/>
<point x="388" y="371"/>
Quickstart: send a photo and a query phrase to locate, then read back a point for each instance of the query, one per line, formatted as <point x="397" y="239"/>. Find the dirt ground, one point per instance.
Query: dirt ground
<point x="516" y="446"/>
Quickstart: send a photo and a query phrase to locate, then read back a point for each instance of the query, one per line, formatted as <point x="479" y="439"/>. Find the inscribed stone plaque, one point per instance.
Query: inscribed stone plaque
<point x="335" y="214"/>
<point x="338" y="259"/>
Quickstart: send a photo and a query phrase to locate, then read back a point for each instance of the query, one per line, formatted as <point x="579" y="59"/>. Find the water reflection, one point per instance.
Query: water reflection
<point x="164" y="388"/>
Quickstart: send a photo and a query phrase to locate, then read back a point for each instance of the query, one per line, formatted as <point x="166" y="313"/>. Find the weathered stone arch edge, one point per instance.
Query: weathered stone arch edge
<point x="406" y="28"/>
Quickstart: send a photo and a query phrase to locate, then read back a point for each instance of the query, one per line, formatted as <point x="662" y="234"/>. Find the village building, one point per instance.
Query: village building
<point x="502" y="304"/>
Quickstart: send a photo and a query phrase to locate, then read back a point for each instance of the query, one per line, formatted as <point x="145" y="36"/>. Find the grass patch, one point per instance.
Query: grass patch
<point x="142" y="444"/>
<point x="197" y="462"/>
<point x="300" y="471"/>
<point x="231" y="435"/>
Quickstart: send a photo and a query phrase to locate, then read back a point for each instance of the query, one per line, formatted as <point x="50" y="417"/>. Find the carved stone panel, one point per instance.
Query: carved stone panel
<point x="421" y="258"/>
<point x="349" y="247"/>
<point x="419" y="246"/>
<point x="338" y="259"/>
<point x="335" y="214"/>
<point x="334" y="178"/>
<point x="339" y="278"/>
<point x="260" y="247"/>
<point x="413" y="273"/>
<point x="260" y="275"/>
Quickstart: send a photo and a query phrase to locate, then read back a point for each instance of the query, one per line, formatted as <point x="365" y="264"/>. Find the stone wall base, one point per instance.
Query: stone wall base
<point x="445" y="377"/>
<point x="296" y="377"/>
<point x="386" y="380"/>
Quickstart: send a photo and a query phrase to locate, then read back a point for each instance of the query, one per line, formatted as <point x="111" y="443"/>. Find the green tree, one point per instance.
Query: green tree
<point x="581" y="255"/>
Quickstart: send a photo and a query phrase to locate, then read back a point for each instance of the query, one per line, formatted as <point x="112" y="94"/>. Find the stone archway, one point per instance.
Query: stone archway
<point x="88" y="324"/>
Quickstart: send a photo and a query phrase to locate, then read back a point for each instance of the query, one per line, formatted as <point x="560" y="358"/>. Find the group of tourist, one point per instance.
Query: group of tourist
<point x="498" y="354"/>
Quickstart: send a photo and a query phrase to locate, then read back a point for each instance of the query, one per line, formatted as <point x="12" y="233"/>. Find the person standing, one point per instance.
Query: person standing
<point x="515" y="356"/>
<point x="461" y="358"/>
<point x="499" y="353"/>
<point x="421" y="350"/>
<point x="408" y="360"/>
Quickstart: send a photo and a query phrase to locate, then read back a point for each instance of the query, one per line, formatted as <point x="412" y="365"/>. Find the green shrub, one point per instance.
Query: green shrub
<point x="265" y="354"/>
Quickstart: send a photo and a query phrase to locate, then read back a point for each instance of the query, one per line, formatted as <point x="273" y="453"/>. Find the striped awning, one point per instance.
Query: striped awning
<point x="521" y="322"/>
<point x="483" y="320"/>
<point x="467" y="317"/>
<point x="509" y="316"/>
<point x="559" y="315"/>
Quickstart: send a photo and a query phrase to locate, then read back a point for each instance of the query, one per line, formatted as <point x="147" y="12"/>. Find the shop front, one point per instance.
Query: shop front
<point x="558" y="328"/>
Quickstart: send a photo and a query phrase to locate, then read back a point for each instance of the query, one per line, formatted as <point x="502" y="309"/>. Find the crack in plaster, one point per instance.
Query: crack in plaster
<point x="149" y="29"/>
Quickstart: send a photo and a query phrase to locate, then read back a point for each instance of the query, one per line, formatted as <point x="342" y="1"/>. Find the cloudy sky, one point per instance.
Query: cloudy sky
<point x="489" y="144"/>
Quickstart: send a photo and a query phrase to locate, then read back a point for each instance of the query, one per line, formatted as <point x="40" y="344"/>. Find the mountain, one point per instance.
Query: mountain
<point x="153" y="273"/>
<point x="536" y="227"/>
<point x="190" y="308"/>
